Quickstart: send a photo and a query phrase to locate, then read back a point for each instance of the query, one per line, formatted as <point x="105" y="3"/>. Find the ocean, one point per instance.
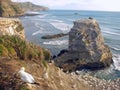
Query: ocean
<point x="60" y="21"/>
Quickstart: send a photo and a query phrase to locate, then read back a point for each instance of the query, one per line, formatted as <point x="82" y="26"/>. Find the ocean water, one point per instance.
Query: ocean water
<point x="60" y="21"/>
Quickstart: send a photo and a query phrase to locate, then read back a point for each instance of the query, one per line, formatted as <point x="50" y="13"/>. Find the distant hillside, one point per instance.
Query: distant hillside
<point x="8" y="9"/>
<point x="28" y="6"/>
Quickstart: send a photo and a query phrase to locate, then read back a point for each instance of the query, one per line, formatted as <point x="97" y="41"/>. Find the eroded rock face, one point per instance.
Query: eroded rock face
<point x="86" y="47"/>
<point x="9" y="9"/>
<point x="11" y="26"/>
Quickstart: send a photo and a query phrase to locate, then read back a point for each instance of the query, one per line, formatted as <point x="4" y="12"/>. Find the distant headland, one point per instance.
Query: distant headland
<point x="11" y="9"/>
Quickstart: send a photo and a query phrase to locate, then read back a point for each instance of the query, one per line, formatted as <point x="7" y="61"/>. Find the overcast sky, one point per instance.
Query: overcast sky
<point x="103" y="5"/>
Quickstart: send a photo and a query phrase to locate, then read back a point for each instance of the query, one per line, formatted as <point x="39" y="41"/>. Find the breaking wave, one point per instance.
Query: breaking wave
<point x="42" y="15"/>
<point x="60" y="25"/>
<point x="108" y="32"/>
<point x="114" y="48"/>
<point x="57" y="42"/>
<point x="116" y="60"/>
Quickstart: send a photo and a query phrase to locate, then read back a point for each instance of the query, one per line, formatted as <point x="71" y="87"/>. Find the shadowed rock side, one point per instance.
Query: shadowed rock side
<point x="86" y="48"/>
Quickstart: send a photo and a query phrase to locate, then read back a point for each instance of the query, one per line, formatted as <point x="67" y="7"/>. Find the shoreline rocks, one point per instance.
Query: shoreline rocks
<point x="54" y="36"/>
<point x="86" y="48"/>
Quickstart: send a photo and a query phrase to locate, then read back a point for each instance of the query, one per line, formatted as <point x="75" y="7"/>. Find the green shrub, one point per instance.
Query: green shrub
<point x="44" y="63"/>
<point x="1" y="40"/>
<point x="11" y="51"/>
<point x="3" y="50"/>
<point x="47" y="54"/>
<point x="22" y="49"/>
<point x="23" y="88"/>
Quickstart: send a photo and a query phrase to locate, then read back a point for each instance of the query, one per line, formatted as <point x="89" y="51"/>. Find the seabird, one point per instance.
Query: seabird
<point x="26" y="77"/>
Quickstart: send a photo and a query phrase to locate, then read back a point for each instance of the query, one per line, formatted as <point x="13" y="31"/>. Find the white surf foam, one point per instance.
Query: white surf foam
<point x="37" y="32"/>
<point x="116" y="60"/>
<point x="56" y="42"/>
<point x="117" y="49"/>
<point x="56" y="20"/>
<point x="40" y="31"/>
<point x="43" y="15"/>
<point x="31" y="12"/>
<point x="108" y="32"/>
<point x="61" y="25"/>
<point x="37" y="24"/>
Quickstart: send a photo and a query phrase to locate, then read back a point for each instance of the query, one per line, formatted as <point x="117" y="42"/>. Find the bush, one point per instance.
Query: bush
<point x="44" y="63"/>
<point x="47" y="54"/>
<point x="22" y="49"/>
<point x="3" y="50"/>
<point x="11" y="51"/>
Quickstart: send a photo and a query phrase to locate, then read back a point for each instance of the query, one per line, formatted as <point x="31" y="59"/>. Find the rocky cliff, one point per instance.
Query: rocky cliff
<point x="11" y="26"/>
<point x="8" y="9"/>
<point x="86" y="48"/>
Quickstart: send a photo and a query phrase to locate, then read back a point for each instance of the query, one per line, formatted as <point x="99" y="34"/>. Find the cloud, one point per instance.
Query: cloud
<point x="108" y="5"/>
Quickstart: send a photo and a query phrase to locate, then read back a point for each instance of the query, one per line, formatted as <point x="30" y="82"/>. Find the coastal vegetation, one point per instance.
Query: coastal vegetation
<point x="14" y="49"/>
<point x="13" y="46"/>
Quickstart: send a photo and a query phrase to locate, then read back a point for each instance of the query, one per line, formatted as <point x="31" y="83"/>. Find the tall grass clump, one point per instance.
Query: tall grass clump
<point x="17" y="47"/>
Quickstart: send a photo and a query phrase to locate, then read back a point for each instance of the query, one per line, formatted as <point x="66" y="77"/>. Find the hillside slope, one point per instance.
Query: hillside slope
<point x="28" y="6"/>
<point x="50" y="78"/>
<point x="8" y="9"/>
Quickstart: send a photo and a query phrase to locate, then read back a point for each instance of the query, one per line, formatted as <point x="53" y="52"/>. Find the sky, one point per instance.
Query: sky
<point x="100" y="5"/>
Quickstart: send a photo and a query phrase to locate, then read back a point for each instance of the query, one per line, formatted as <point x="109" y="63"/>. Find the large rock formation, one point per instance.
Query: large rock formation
<point x="86" y="48"/>
<point x="11" y="26"/>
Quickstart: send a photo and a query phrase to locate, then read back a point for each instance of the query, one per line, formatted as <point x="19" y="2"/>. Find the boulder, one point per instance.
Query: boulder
<point x="87" y="49"/>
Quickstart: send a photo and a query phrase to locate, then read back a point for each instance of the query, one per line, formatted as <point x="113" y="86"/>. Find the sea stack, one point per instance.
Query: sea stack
<point x="87" y="49"/>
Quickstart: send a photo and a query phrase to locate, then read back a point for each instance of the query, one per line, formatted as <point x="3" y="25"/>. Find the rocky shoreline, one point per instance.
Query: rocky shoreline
<point x="56" y="79"/>
<point x="98" y="84"/>
<point x="54" y="36"/>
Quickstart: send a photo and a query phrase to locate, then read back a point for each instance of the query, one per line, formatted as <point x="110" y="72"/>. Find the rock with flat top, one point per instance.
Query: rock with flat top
<point x="86" y="48"/>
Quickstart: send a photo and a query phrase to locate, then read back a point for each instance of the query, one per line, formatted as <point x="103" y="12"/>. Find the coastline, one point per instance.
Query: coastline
<point x="86" y="81"/>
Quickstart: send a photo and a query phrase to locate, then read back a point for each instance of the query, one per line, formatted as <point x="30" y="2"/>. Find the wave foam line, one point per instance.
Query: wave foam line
<point x="108" y="32"/>
<point x="56" y="42"/>
<point x="116" y="60"/>
<point x="60" y="25"/>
